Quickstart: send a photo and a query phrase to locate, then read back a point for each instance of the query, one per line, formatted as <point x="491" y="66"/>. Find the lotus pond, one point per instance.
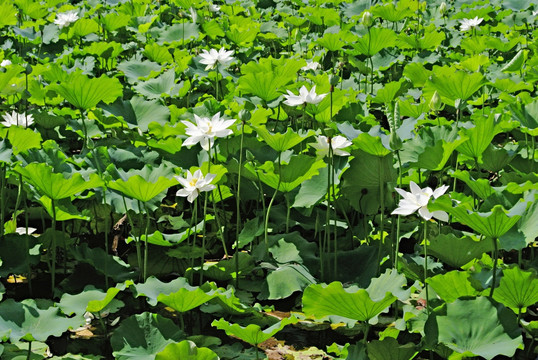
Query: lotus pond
<point x="282" y="179"/>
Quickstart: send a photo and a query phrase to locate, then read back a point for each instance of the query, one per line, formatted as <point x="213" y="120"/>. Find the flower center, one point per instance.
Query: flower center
<point x="193" y="182"/>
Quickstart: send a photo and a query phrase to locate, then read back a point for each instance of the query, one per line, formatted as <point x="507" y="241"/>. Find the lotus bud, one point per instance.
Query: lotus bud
<point x="367" y="19"/>
<point x="395" y="142"/>
<point x="442" y="8"/>
<point x="244" y="115"/>
<point x="435" y="103"/>
<point x="334" y="79"/>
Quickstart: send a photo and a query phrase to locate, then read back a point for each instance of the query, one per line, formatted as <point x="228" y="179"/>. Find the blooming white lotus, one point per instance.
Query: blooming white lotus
<point x="24" y="231"/>
<point x="66" y="18"/>
<point x="212" y="57"/>
<point x="16" y="119"/>
<point x="418" y="199"/>
<point x="312" y="65"/>
<point x="337" y="143"/>
<point x="304" y="97"/>
<point x="194" y="184"/>
<point x="5" y="63"/>
<point x="468" y="24"/>
<point x="214" y="8"/>
<point x="206" y="129"/>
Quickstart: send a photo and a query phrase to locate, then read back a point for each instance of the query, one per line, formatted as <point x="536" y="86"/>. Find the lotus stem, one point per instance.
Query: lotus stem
<point x="266" y="225"/>
<point x="2" y="198"/>
<point x="495" y="260"/>
<point x="53" y="249"/>
<point x="426" y="267"/>
<point x="203" y="242"/>
<point x="238" y="205"/>
<point x="146" y="249"/>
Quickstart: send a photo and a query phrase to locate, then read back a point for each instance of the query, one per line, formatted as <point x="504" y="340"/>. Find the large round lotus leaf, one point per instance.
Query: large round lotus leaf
<point x="27" y="321"/>
<point x="252" y="333"/>
<point x="186" y="350"/>
<point x="143" y="336"/>
<point x="326" y="300"/>
<point x="476" y="327"/>
<point x="518" y="289"/>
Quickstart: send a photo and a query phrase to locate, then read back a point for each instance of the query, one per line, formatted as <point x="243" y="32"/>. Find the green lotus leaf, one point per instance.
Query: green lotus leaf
<point x="289" y="176"/>
<point x="454" y="285"/>
<point x="452" y="84"/>
<point x="389" y="348"/>
<point x="139" y="113"/>
<point x="104" y="49"/>
<point x="54" y="185"/>
<point x="252" y="333"/>
<point x="85" y="93"/>
<point x="8" y="14"/>
<point x="22" y="139"/>
<point x="27" y="321"/>
<point x="158" y="53"/>
<point x="477" y="328"/>
<point x="393" y="13"/>
<point x="243" y="35"/>
<point x="90" y="299"/>
<point x="480" y="187"/>
<point x="63" y="209"/>
<point x="389" y="92"/>
<point x="492" y="224"/>
<point x="178" y="33"/>
<point x="371" y="145"/>
<point x="153" y="287"/>
<point x="159" y="86"/>
<point x="213" y="29"/>
<point x="136" y="69"/>
<point x="432" y="148"/>
<point x="104" y="263"/>
<point x="142" y="189"/>
<point x="5" y="152"/>
<point x="481" y="135"/>
<point x="113" y="21"/>
<point x="327" y="300"/>
<point x="518" y="289"/>
<point x="7" y="77"/>
<point x="389" y="281"/>
<point x="375" y="40"/>
<point x="430" y="41"/>
<point x="83" y="27"/>
<point x="285" y="280"/>
<point x="143" y="336"/>
<point x="417" y="73"/>
<point x="331" y="41"/>
<point x="186" y="298"/>
<point x="312" y="190"/>
<point x="186" y="350"/>
<point x="366" y="171"/>
<point x="457" y="251"/>
<point x="18" y="253"/>
<point x="527" y="115"/>
<point x="268" y="78"/>
<point x="516" y="64"/>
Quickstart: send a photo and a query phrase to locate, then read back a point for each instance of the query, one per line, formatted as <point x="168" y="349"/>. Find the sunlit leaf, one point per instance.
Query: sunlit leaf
<point x="252" y="333"/>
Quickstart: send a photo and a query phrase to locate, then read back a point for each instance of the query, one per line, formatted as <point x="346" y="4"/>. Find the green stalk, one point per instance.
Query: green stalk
<point x="2" y="198"/>
<point x="217" y="82"/>
<point x="194" y="217"/>
<point x="266" y="226"/>
<point x="29" y="355"/>
<point x="219" y="232"/>
<point x="327" y="212"/>
<point x="203" y="242"/>
<point x="382" y="205"/>
<point x="426" y="268"/>
<point x="137" y="241"/>
<point x="53" y="248"/>
<point x="238" y="206"/>
<point x="397" y="247"/>
<point x="146" y="249"/>
<point x="495" y="260"/>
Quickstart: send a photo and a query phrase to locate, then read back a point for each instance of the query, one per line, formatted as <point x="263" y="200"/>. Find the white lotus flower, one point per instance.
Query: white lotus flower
<point x="213" y="7"/>
<point x="16" y="119"/>
<point x="206" y="129"/>
<point x="468" y="24"/>
<point x="418" y="199"/>
<point x="22" y="230"/>
<point x="212" y="57"/>
<point x="193" y="14"/>
<point x="337" y="143"/>
<point x="312" y="65"/>
<point x="194" y="184"/>
<point x="304" y="97"/>
<point x="5" y="63"/>
<point x="66" y="18"/>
